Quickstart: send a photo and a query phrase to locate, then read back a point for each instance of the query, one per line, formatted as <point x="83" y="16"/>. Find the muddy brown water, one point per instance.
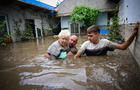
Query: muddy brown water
<point x="24" y="67"/>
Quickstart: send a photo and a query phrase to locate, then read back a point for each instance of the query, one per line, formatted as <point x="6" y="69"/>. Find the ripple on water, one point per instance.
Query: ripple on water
<point x="59" y="78"/>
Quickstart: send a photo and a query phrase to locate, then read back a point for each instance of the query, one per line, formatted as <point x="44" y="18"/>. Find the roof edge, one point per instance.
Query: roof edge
<point x="69" y="13"/>
<point x="38" y="4"/>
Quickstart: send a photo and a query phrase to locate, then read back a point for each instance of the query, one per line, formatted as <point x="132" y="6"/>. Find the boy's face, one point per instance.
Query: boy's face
<point x="93" y="37"/>
<point x="64" y="41"/>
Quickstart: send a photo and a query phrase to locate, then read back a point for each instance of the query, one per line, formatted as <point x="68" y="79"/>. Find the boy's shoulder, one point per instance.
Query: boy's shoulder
<point x="87" y="41"/>
<point x="104" y="40"/>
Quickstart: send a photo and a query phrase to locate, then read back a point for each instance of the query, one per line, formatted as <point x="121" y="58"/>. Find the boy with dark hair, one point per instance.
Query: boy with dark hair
<point x="95" y="46"/>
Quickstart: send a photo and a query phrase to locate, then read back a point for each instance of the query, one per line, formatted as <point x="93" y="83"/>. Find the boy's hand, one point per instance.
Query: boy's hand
<point x="136" y="27"/>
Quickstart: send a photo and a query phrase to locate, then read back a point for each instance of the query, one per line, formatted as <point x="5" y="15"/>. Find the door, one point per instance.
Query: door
<point x="74" y="28"/>
<point x="38" y="28"/>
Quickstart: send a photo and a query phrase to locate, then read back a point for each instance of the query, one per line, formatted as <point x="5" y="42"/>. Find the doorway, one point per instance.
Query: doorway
<point x="29" y="24"/>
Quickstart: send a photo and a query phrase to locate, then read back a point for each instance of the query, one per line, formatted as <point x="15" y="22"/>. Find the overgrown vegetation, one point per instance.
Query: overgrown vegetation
<point x="85" y="15"/>
<point x="4" y="38"/>
<point x="114" y="32"/>
<point x="16" y="30"/>
<point x="27" y="35"/>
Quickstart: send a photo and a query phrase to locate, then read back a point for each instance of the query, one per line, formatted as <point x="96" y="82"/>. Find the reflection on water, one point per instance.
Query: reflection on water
<point x="24" y="67"/>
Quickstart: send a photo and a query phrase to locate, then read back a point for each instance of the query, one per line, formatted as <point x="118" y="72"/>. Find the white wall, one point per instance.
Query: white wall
<point x="129" y="11"/>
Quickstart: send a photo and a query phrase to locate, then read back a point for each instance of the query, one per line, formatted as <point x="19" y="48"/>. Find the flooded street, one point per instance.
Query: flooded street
<point x="24" y="67"/>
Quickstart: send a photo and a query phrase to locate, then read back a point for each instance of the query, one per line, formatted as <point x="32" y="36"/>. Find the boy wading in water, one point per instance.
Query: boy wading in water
<point x="95" y="47"/>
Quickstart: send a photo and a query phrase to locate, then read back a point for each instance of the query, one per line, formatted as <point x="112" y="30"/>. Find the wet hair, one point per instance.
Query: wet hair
<point x="64" y="33"/>
<point x="94" y="29"/>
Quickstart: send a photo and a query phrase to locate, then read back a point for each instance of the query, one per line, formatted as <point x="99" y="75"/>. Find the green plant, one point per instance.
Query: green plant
<point x="85" y="15"/>
<point x="17" y="31"/>
<point x="2" y="43"/>
<point x="7" y="38"/>
<point x="114" y="32"/>
<point x="2" y="26"/>
<point x="27" y="35"/>
<point x="4" y="38"/>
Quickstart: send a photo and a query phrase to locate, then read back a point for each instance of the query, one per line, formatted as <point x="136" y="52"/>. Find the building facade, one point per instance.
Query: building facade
<point x="20" y="15"/>
<point x="65" y="9"/>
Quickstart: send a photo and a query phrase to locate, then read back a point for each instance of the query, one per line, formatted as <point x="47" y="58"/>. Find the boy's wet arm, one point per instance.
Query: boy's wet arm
<point x="126" y="44"/>
<point x="78" y="54"/>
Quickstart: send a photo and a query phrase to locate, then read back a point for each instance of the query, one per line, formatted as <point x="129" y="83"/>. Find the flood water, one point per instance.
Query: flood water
<point x="24" y="67"/>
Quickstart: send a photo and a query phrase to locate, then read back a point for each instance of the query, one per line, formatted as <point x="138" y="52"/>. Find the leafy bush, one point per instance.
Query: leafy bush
<point x="3" y="35"/>
<point x="85" y="15"/>
<point x="27" y="35"/>
<point x="4" y="39"/>
<point x="114" y="32"/>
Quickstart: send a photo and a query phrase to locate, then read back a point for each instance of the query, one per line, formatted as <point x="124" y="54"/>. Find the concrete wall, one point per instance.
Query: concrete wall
<point x="14" y="14"/>
<point x="135" y="46"/>
<point x="129" y="13"/>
